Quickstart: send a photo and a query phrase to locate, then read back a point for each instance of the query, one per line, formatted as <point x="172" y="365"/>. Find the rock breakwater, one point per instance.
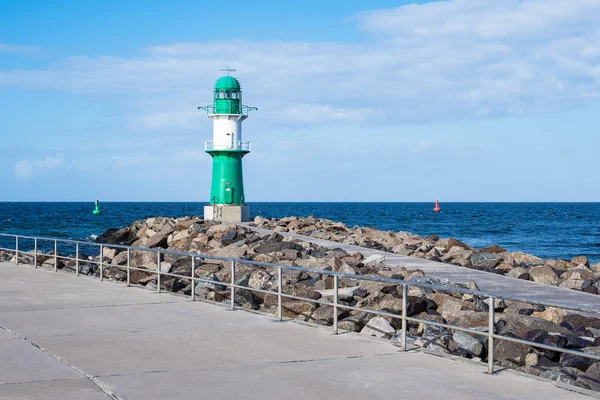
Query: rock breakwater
<point x="577" y="273"/>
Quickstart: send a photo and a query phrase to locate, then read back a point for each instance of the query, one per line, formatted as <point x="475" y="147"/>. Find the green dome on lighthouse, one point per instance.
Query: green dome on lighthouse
<point x="227" y="83"/>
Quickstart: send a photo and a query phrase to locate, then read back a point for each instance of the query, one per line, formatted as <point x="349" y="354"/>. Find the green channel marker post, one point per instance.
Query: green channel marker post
<point x="227" y="202"/>
<point x="97" y="209"/>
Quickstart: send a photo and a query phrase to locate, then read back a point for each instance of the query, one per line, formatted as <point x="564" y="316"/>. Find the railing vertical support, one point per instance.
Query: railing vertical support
<point x="77" y="259"/>
<point x="404" y="312"/>
<point x="232" y="285"/>
<point x="279" y="291"/>
<point x="158" y="270"/>
<point x="101" y="261"/>
<point x="193" y="280"/>
<point x="491" y="315"/>
<point x="55" y="256"/>
<point x="16" y="250"/>
<point x="128" y="267"/>
<point x="35" y="253"/>
<point x="336" y="284"/>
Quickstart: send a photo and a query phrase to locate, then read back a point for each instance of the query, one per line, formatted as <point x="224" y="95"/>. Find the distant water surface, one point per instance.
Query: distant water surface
<point x="548" y="230"/>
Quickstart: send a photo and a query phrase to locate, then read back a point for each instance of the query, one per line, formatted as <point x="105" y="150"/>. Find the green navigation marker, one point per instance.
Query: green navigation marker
<point x="97" y="209"/>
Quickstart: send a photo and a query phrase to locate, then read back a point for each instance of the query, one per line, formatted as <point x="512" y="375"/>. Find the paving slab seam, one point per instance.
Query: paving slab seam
<point x="109" y="393"/>
<point x="37" y="381"/>
<point x="254" y="365"/>
<point x="87" y="307"/>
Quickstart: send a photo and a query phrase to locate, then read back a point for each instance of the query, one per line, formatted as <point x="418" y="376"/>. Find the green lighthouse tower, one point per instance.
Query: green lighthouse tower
<point x="227" y="202"/>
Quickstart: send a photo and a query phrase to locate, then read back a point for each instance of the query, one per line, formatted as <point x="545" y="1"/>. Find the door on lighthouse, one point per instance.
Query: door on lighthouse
<point x="228" y="195"/>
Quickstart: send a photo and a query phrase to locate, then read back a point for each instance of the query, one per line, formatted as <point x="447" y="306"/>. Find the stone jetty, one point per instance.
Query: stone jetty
<point x="531" y="322"/>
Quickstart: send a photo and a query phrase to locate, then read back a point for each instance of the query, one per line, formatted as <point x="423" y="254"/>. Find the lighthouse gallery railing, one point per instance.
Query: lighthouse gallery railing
<point x="238" y="145"/>
<point x="335" y="304"/>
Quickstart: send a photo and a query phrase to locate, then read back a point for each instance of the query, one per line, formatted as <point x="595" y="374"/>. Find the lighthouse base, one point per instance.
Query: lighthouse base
<point x="227" y="213"/>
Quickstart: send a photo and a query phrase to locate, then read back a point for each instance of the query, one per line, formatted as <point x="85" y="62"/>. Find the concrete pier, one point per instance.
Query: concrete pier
<point x="487" y="282"/>
<point x="63" y="337"/>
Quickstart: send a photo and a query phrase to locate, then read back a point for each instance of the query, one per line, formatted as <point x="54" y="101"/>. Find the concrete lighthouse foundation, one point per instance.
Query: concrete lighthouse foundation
<point x="225" y="213"/>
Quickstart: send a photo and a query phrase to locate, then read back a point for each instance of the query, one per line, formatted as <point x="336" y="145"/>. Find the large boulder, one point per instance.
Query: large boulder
<point x="454" y="242"/>
<point x="544" y="275"/>
<point x="485" y="260"/>
<point x="468" y="344"/>
<point x="591" y="378"/>
<point x="525" y="260"/>
<point x="378" y="327"/>
<point x="511" y="351"/>
<point x="581" y="260"/>
<point x="272" y="247"/>
<point x="373" y="260"/>
<point x="519" y="273"/>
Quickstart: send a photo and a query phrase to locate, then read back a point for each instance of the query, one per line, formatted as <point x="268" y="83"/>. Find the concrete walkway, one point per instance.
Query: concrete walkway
<point x="63" y="337"/>
<point x="487" y="282"/>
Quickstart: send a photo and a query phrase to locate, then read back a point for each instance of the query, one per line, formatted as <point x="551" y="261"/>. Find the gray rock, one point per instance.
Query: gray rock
<point x="562" y="375"/>
<point x="378" y="327"/>
<point x="373" y="260"/>
<point x="544" y="275"/>
<point x="591" y="379"/>
<point x="213" y="285"/>
<point x="514" y="352"/>
<point x="165" y="267"/>
<point x="485" y="260"/>
<point x="519" y="273"/>
<point x="272" y="247"/>
<point x="468" y="343"/>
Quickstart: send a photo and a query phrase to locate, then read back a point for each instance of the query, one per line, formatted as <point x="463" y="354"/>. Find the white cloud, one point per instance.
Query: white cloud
<point x="15" y="49"/>
<point x="445" y="60"/>
<point x="26" y="169"/>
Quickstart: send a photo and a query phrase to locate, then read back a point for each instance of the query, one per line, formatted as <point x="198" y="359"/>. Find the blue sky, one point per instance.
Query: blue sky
<point x="461" y="100"/>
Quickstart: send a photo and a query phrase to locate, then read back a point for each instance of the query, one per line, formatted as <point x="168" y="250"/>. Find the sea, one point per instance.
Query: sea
<point x="548" y="230"/>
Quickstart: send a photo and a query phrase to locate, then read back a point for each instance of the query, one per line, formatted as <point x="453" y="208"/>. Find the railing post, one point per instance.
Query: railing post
<point x="404" y="312"/>
<point x="335" y="304"/>
<point x="193" y="280"/>
<point x="232" y="285"/>
<point x="158" y="270"/>
<point x="279" y="291"/>
<point x="77" y="259"/>
<point x="55" y="256"/>
<point x="101" y="261"/>
<point x="128" y="266"/>
<point x="491" y="315"/>
<point x="35" y="253"/>
<point x="16" y="250"/>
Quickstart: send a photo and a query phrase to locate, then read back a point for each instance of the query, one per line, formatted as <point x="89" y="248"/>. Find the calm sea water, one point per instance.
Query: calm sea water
<point x="549" y="230"/>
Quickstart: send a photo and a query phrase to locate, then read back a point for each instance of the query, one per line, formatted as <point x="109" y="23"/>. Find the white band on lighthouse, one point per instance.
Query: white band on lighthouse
<point x="227" y="131"/>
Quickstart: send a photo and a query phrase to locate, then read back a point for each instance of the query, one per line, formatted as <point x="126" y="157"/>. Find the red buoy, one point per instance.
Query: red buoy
<point x="437" y="206"/>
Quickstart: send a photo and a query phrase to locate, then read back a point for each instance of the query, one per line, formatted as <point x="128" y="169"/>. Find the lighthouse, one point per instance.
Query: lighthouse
<point x="227" y="148"/>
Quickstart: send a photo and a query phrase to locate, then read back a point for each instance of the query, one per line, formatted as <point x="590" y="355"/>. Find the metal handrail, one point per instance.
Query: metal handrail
<point x="490" y="334"/>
